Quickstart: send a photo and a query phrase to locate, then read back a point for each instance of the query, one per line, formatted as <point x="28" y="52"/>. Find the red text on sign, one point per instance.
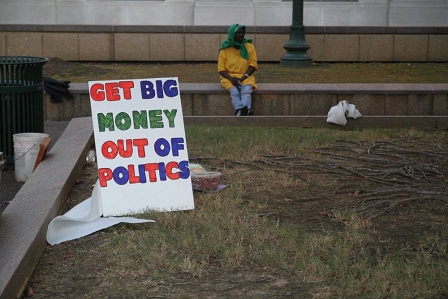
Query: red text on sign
<point x="111" y="91"/>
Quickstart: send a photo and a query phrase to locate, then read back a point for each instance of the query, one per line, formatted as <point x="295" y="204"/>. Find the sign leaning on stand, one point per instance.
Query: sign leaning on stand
<point x="141" y="147"/>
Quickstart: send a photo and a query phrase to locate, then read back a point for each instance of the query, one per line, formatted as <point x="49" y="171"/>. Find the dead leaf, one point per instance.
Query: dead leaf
<point x="29" y="292"/>
<point x="281" y="283"/>
<point x="287" y="199"/>
<point x="324" y="213"/>
<point x="67" y="255"/>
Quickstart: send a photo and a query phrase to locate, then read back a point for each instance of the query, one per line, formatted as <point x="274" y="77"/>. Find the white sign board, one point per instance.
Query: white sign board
<point x="141" y="147"/>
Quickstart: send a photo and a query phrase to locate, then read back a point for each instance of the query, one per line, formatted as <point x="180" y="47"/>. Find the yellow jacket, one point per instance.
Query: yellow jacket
<point x="231" y="61"/>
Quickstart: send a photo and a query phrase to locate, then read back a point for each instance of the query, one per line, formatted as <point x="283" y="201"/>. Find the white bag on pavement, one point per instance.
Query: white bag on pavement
<point x="338" y="114"/>
<point x="353" y="112"/>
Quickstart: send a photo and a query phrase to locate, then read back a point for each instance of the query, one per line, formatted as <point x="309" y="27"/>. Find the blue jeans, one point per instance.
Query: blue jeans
<point x="241" y="96"/>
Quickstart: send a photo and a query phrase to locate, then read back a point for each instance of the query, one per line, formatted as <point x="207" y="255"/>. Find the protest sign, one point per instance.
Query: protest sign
<point x="141" y="146"/>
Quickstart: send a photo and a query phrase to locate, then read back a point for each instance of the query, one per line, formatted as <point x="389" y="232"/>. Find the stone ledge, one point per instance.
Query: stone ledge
<point x="210" y="99"/>
<point x="308" y="88"/>
<point x="365" y="122"/>
<point x="23" y="224"/>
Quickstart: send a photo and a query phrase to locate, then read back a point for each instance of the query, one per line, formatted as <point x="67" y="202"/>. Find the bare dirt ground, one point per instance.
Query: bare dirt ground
<point x="400" y="186"/>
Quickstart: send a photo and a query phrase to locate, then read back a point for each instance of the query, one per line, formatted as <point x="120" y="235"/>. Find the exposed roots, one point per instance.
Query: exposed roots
<point x="388" y="175"/>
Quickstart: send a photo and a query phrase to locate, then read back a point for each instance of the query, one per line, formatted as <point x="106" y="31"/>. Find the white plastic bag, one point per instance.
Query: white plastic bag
<point x="353" y="112"/>
<point x="338" y="114"/>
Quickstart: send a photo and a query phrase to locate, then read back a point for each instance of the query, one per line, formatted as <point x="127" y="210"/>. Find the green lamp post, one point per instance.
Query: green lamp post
<point x="297" y="46"/>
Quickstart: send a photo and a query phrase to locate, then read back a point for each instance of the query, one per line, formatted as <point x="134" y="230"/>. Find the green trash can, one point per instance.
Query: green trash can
<point x="21" y="99"/>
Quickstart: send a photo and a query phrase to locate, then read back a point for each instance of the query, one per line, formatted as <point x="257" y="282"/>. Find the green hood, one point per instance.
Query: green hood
<point x="230" y="42"/>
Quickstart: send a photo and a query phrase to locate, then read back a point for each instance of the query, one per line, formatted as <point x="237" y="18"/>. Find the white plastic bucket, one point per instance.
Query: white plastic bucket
<point x="26" y="149"/>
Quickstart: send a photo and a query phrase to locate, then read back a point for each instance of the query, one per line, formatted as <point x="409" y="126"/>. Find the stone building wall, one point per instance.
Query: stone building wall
<point x="225" y="12"/>
<point x="186" y="43"/>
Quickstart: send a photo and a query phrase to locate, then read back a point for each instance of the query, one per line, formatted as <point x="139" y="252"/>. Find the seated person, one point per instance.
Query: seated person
<point x="237" y="63"/>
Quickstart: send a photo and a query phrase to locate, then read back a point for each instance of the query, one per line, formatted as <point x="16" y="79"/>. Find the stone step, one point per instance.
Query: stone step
<point x="365" y="122"/>
<point x="297" y="101"/>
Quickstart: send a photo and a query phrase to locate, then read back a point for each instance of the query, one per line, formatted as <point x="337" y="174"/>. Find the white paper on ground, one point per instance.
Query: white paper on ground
<point x="84" y="219"/>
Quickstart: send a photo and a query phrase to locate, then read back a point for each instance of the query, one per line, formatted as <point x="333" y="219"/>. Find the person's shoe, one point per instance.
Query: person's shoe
<point x="244" y="111"/>
<point x="237" y="112"/>
<point x="250" y="113"/>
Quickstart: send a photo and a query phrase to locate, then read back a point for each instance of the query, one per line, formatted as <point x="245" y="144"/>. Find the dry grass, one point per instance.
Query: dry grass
<point x="231" y="237"/>
<point x="267" y="73"/>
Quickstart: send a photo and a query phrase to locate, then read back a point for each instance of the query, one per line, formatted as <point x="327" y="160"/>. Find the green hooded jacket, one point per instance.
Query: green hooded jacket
<point x="230" y="42"/>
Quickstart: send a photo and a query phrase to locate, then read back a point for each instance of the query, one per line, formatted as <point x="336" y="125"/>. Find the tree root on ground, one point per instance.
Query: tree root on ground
<point x="396" y="173"/>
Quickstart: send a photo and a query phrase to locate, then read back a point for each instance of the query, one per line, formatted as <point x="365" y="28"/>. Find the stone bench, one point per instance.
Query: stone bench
<point x="293" y="104"/>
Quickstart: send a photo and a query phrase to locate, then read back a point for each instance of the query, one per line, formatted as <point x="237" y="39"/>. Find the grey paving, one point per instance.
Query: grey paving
<point x="24" y="222"/>
<point x="8" y="184"/>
